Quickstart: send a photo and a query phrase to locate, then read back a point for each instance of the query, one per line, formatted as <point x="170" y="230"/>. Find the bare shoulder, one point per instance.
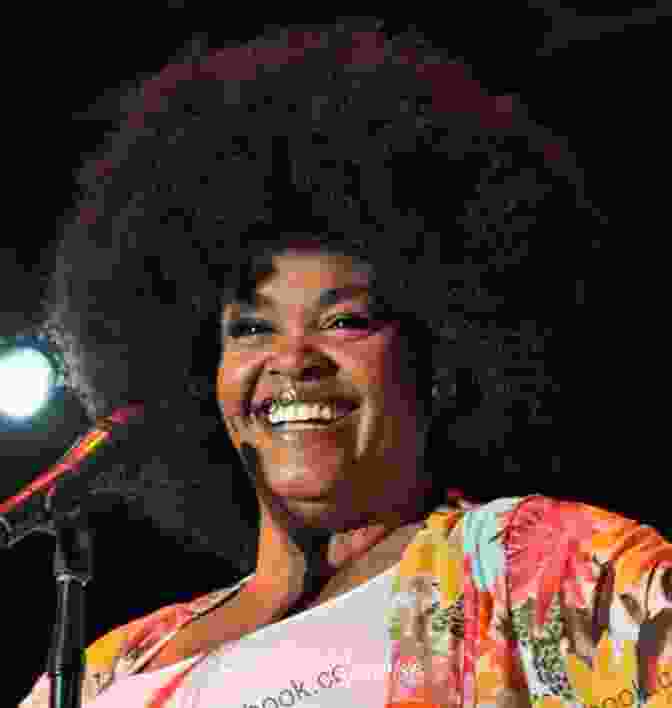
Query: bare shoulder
<point x="228" y="622"/>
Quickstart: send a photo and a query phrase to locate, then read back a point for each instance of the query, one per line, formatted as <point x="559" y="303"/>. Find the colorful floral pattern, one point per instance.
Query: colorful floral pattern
<point x="519" y="602"/>
<point x="529" y="602"/>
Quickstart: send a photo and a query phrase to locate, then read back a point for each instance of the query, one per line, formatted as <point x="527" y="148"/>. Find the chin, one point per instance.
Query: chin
<point x="332" y="515"/>
<point x="318" y="512"/>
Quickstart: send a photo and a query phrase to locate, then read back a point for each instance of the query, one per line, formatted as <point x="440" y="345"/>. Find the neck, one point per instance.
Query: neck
<point x="294" y="566"/>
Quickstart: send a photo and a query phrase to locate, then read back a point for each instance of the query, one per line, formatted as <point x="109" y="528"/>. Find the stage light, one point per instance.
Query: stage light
<point x="29" y="374"/>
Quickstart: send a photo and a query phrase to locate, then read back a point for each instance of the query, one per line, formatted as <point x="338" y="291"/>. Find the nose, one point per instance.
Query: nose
<point x="296" y="358"/>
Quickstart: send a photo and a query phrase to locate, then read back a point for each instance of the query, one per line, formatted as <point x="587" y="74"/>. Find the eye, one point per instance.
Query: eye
<point x="354" y="321"/>
<point x="245" y="328"/>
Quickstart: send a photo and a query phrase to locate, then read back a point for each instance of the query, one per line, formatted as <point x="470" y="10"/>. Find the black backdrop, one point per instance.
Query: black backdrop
<point x="600" y="81"/>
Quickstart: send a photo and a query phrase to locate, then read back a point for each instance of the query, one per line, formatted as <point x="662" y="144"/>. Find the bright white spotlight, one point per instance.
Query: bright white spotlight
<point x="26" y="379"/>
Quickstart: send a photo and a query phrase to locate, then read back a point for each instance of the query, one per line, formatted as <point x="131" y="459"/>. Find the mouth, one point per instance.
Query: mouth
<point x="340" y="412"/>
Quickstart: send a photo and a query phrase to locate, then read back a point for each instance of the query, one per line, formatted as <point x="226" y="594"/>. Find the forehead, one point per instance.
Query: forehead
<point x="313" y="269"/>
<point x="303" y="276"/>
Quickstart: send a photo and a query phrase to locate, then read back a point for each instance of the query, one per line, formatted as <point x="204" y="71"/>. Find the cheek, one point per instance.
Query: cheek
<point x="381" y="368"/>
<point x="380" y="362"/>
<point x="234" y="433"/>
<point x="396" y="381"/>
<point x="231" y="375"/>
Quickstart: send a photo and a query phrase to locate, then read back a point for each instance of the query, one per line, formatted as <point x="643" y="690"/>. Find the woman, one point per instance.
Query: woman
<point x="295" y="199"/>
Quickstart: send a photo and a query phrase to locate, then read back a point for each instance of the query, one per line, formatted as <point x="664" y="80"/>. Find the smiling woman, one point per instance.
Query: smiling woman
<point x="342" y="225"/>
<point x="326" y="476"/>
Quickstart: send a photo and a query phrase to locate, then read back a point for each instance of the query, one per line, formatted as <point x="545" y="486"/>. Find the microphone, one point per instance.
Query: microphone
<point x="63" y="487"/>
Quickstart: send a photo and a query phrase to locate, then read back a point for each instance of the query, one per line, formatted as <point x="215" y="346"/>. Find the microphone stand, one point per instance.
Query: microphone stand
<point x="73" y="561"/>
<point x="63" y="512"/>
<point x="73" y="570"/>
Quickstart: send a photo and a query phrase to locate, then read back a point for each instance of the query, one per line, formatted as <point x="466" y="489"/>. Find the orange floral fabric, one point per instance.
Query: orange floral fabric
<point x="533" y="602"/>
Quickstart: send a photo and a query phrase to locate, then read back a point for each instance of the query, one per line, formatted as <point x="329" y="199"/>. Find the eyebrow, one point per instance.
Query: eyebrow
<point x="327" y="298"/>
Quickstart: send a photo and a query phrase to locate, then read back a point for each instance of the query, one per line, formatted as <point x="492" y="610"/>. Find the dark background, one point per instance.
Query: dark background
<point x="602" y="82"/>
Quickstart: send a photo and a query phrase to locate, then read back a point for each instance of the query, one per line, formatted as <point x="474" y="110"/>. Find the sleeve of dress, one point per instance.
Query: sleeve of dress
<point x="126" y="649"/>
<point x="591" y="603"/>
<point x="631" y="618"/>
<point x="99" y="663"/>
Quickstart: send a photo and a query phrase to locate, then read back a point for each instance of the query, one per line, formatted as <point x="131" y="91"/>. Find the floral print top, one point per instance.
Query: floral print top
<point x="525" y="601"/>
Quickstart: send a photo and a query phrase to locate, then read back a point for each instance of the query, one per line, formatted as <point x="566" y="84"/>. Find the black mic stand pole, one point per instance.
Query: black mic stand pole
<point x="73" y="560"/>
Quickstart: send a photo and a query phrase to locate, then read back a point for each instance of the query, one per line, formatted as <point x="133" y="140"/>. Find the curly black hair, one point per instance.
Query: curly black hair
<point x="381" y="146"/>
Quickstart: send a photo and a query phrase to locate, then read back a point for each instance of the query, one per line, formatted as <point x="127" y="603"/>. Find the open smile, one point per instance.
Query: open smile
<point x="311" y="427"/>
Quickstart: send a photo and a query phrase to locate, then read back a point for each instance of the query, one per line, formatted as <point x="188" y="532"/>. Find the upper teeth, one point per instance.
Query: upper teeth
<point x="301" y="411"/>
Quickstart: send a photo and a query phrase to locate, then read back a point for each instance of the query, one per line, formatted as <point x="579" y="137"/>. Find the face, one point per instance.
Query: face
<point x="311" y="324"/>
